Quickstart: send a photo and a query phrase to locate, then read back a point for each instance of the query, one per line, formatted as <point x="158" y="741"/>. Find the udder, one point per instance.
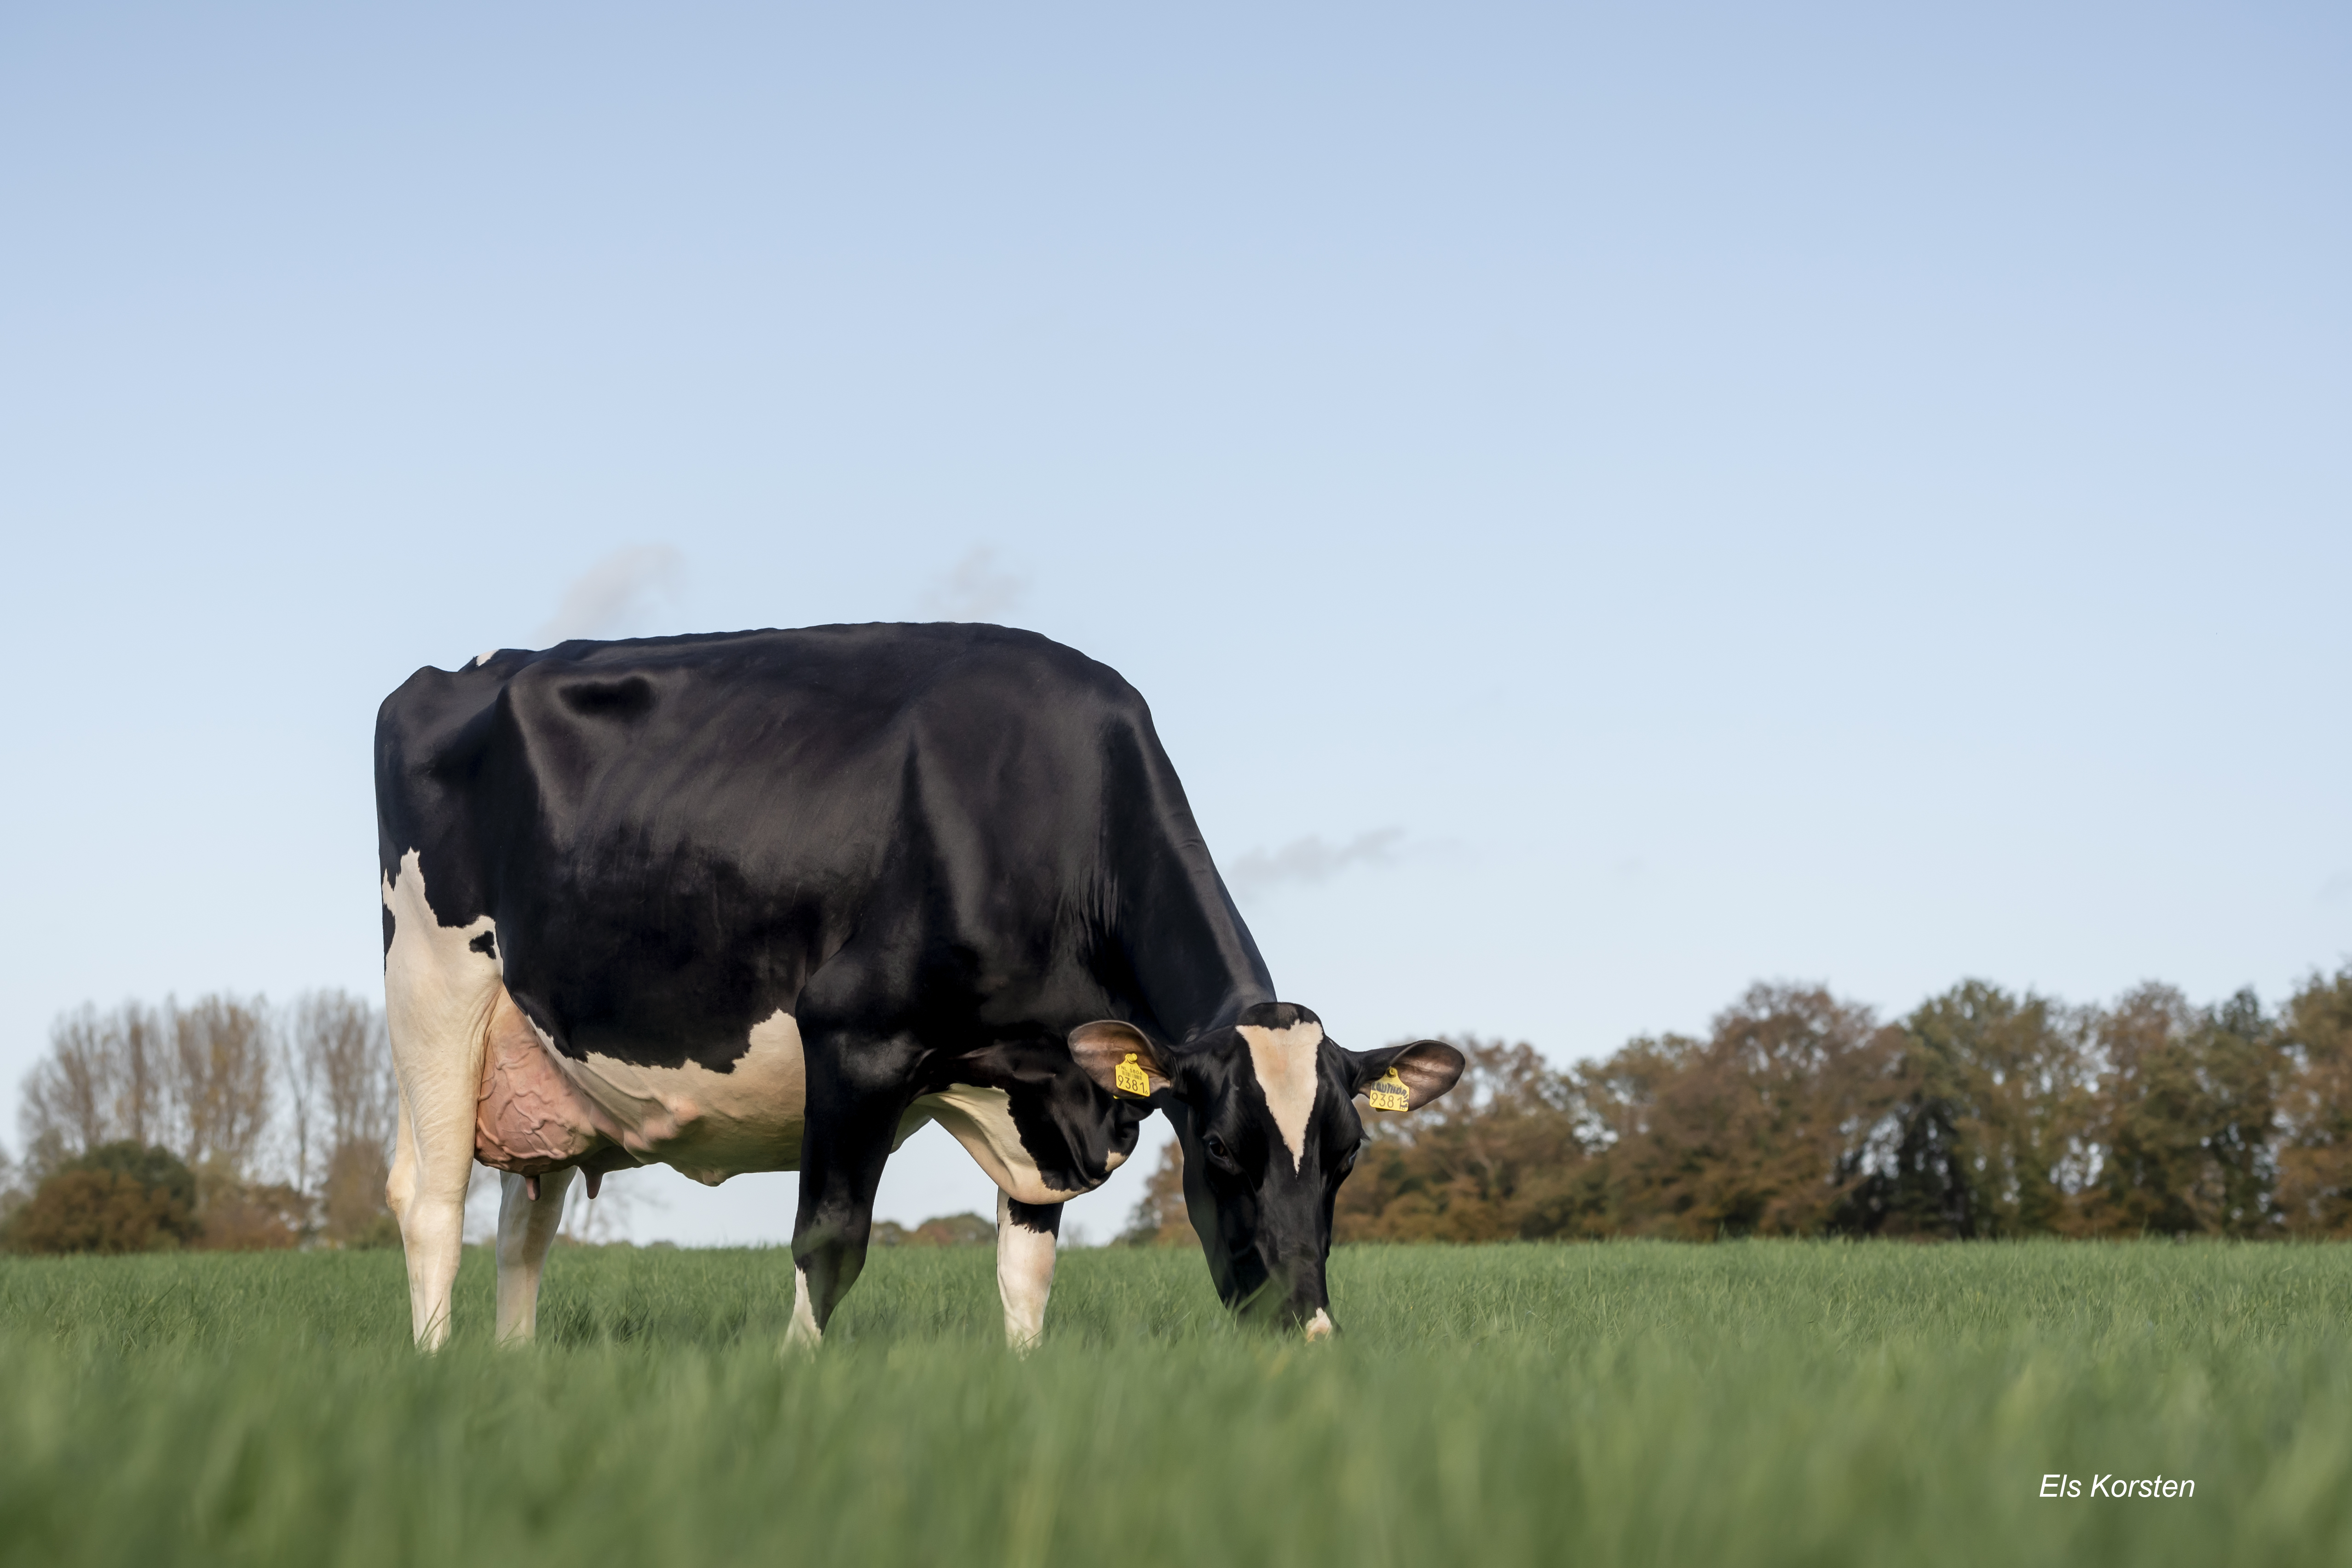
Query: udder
<point x="537" y="1112"/>
<point x="529" y="1120"/>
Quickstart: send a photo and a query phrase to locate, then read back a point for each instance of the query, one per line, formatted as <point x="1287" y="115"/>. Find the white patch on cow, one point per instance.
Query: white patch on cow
<point x="803" y="1335"/>
<point x="1024" y="1277"/>
<point x="1320" y="1326"/>
<point x="981" y="1120"/>
<point x="485" y="657"/>
<point x="1288" y="1062"/>
<point x="438" y="995"/>
<point x="707" y="1125"/>
<point x="436" y="1007"/>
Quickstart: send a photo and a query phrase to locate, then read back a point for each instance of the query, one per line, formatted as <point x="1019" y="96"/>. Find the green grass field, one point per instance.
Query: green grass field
<point x="1754" y="1403"/>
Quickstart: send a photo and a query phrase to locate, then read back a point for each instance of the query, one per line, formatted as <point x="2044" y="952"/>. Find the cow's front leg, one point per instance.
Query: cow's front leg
<point x="527" y="1226"/>
<point x="842" y="1157"/>
<point x="1025" y="1266"/>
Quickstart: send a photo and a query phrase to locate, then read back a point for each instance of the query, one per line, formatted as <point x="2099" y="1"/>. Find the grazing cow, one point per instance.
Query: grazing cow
<point x="771" y="901"/>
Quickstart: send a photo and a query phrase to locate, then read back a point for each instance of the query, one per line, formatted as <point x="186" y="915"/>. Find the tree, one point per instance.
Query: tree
<point x="1764" y="1129"/>
<point x="220" y="1079"/>
<point x="2186" y="1118"/>
<point x="204" y="1080"/>
<point x="1988" y="1135"/>
<point x="1499" y="1158"/>
<point x="2314" y="1158"/>
<point x="104" y="1080"/>
<point x="1159" y="1218"/>
<point x="117" y="1197"/>
<point x="343" y="1104"/>
<point x="945" y="1230"/>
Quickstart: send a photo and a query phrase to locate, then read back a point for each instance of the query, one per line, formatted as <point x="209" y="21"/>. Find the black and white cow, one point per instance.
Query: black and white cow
<point x="771" y="901"/>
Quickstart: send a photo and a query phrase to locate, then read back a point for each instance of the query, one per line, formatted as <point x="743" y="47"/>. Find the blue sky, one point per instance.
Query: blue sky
<point x="1606" y="505"/>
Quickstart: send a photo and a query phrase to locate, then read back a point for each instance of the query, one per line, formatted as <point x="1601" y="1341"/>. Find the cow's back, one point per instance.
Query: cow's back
<point x="673" y="833"/>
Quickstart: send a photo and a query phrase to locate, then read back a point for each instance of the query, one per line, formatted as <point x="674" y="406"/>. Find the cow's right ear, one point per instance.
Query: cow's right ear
<point x="1119" y="1058"/>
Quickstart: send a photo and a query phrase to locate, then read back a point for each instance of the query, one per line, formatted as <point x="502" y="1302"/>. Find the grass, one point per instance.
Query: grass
<point x="1751" y="1402"/>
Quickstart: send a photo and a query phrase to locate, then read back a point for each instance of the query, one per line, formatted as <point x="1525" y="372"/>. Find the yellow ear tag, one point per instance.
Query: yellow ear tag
<point x="1131" y="1078"/>
<point x="1389" y="1094"/>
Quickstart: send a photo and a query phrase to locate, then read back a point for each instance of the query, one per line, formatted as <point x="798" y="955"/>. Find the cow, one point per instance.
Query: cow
<point x="771" y="901"/>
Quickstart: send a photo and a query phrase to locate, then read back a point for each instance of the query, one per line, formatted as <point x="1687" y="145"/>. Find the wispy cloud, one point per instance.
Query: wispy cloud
<point x="975" y="589"/>
<point x="615" y="594"/>
<point x="1311" y="859"/>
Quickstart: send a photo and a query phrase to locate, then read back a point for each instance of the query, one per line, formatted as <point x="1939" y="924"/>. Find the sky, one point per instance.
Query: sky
<point x="1607" y="505"/>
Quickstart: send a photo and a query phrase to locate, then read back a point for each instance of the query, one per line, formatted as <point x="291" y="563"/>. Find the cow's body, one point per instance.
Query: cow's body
<point x="770" y="901"/>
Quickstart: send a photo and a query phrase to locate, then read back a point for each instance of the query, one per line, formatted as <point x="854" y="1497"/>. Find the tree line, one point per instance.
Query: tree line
<point x="223" y="1123"/>
<point x="1983" y="1113"/>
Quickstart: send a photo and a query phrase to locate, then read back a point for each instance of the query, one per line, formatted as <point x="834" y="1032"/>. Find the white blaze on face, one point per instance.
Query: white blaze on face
<point x="1285" y="1062"/>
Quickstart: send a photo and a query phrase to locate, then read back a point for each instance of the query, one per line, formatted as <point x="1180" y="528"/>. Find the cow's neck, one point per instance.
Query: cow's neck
<point x="1193" y="961"/>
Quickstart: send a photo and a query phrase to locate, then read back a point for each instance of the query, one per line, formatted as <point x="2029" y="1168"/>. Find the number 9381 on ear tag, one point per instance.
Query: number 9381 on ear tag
<point x="1131" y="1079"/>
<point x="1389" y="1094"/>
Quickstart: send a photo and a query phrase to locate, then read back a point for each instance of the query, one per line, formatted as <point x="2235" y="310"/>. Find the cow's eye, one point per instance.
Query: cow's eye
<point x="1216" y="1148"/>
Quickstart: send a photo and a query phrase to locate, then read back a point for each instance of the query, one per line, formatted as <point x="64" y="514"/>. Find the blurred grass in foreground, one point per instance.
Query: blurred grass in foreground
<point x="1622" y="1403"/>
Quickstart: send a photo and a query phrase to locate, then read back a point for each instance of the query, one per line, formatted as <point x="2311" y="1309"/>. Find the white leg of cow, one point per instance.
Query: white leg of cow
<point x="428" y="1194"/>
<point x="400" y="1186"/>
<point x="802" y="1335"/>
<point x="437" y="991"/>
<point x="527" y="1227"/>
<point x="1025" y="1266"/>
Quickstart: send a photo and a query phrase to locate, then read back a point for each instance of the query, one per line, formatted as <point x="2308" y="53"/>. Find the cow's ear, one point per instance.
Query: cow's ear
<point x="1119" y="1058"/>
<point x="1415" y="1074"/>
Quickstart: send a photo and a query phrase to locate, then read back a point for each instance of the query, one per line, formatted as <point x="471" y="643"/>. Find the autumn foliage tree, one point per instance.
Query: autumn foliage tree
<point x="117" y="1198"/>
<point x="2313" y="1196"/>
<point x="1983" y="1113"/>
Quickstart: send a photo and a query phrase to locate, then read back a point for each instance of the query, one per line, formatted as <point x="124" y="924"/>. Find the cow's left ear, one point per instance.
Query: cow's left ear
<point x="1426" y="1069"/>
<point x="1119" y="1058"/>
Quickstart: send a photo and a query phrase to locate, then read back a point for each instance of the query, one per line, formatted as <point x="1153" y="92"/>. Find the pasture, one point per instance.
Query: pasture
<point x="1619" y="1402"/>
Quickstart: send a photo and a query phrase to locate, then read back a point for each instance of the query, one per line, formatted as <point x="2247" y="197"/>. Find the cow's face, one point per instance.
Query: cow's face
<point x="1271" y="1113"/>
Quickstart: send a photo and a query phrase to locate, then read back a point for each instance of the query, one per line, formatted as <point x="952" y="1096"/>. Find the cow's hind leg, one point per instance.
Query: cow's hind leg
<point x="527" y="1227"/>
<point x="1025" y="1234"/>
<point x="438" y="992"/>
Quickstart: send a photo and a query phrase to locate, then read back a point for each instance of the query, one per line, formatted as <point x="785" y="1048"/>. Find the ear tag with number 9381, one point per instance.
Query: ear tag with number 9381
<point x="1131" y="1079"/>
<point x="1387" y="1092"/>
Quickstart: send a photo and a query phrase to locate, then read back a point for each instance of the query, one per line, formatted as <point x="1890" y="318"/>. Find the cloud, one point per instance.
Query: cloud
<point x="2336" y="887"/>
<point x="974" y="590"/>
<point x="1311" y="860"/>
<point x="615" y="594"/>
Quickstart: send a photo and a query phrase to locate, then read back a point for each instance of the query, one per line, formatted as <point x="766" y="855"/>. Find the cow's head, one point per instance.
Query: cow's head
<point x="1271" y="1113"/>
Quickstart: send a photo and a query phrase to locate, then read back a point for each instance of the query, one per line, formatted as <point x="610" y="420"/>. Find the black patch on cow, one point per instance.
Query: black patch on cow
<point x="1045" y="1219"/>
<point x="486" y="944"/>
<point x="625" y="699"/>
<point x="1277" y="1015"/>
<point x="387" y="931"/>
